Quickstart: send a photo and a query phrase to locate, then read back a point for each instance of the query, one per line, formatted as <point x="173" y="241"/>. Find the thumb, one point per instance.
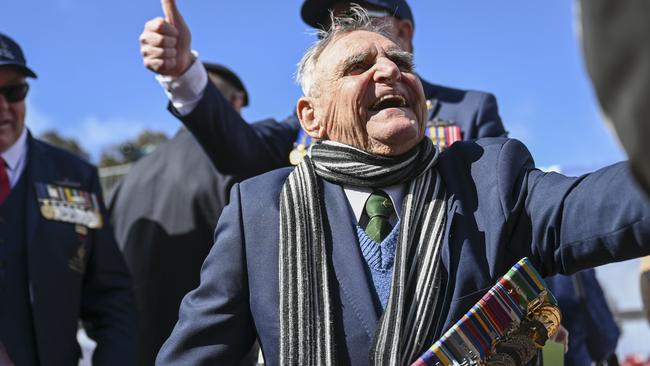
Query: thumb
<point x="172" y="15"/>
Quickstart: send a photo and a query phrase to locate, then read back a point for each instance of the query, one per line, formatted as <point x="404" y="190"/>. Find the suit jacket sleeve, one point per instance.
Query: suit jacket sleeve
<point x="565" y="223"/>
<point x="215" y="325"/>
<point x="108" y="303"/>
<point x="234" y="146"/>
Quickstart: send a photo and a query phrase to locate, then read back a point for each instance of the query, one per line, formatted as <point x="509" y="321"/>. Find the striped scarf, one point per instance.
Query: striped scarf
<point x="306" y="322"/>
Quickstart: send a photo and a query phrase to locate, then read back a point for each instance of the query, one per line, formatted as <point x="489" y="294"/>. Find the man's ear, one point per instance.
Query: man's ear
<point x="405" y="33"/>
<point x="307" y="116"/>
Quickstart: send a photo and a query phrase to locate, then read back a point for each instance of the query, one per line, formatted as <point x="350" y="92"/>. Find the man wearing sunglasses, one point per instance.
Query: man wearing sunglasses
<point x="58" y="259"/>
<point x="238" y="148"/>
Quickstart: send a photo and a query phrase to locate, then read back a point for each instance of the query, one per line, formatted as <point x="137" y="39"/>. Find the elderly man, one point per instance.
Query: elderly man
<point x="376" y="243"/>
<point x="59" y="263"/>
<point x="238" y="148"/>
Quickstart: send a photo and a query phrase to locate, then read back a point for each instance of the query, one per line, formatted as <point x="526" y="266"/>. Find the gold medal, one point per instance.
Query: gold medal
<point x="47" y="211"/>
<point x="298" y="154"/>
<point x="81" y="230"/>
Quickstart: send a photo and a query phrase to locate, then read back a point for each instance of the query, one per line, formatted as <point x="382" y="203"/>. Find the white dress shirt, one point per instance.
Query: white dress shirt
<point x="15" y="158"/>
<point x="185" y="91"/>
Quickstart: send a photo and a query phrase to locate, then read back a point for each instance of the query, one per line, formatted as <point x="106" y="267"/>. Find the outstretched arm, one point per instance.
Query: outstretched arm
<point x="571" y="223"/>
<point x="234" y="146"/>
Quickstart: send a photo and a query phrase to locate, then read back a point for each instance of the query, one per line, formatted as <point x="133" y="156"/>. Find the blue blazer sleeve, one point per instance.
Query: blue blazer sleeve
<point x="108" y="302"/>
<point x="234" y="146"/>
<point x="570" y="223"/>
<point x="215" y="325"/>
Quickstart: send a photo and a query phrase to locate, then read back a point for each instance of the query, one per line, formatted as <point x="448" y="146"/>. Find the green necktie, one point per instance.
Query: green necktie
<point x="379" y="209"/>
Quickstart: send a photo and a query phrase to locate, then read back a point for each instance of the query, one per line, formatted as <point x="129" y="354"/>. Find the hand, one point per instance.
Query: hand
<point x="165" y="44"/>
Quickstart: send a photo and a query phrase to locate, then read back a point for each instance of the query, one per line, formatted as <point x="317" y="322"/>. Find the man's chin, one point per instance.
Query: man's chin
<point x="395" y="126"/>
<point x="387" y="114"/>
<point x="398" y="143"/>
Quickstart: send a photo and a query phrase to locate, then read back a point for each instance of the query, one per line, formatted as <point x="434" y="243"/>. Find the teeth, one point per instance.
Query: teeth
<point x="400" y="101"/>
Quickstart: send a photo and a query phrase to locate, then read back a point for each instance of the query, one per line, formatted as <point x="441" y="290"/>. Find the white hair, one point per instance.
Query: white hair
<point x="355" y="19"/>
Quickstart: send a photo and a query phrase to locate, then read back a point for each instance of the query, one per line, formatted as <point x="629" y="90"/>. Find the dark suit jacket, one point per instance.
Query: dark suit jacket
<point x="101" y="297"/>
<point x="499" y="209"/>
<point x="236" y="147"/>
<point x="164" y="212"/>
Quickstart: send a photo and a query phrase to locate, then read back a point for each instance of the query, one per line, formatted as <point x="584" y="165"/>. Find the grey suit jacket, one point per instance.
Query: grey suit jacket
<point x="164" y="212"/>
<point x="616" y="41"/>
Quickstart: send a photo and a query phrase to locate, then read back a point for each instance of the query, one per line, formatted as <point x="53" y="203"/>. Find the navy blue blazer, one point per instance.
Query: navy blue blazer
<point x="499" y="209"/>
<point x="245" y="150"/>
<point x="101" y="296"/>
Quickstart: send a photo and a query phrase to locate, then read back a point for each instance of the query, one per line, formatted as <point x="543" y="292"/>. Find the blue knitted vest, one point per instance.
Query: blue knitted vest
<point x="379" y="258"/>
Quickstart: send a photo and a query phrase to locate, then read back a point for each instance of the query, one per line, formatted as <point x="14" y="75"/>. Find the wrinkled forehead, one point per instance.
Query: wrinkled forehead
<point x="355" y="43"/>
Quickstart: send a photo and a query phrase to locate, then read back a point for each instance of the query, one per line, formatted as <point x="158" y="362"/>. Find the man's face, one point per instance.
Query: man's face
<point x="12" y="115"/>
<point x="401" y="30"/>
<point x="367" y="95"/>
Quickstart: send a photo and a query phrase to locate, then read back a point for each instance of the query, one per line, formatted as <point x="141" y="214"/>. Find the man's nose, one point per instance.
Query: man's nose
<point x="387" y="72"/>
<point x="4" y="104"/>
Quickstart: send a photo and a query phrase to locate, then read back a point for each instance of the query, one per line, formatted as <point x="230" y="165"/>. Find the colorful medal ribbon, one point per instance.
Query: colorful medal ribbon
<point x="443" y="134"/>
<point x="67" y="204"/>
<point x="510" y="323"/>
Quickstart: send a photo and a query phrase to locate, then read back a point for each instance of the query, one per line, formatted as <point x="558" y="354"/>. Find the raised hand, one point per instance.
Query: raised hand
<point x="165" y="43"/>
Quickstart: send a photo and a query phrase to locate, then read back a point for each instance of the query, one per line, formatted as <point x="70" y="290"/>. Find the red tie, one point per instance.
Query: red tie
<point x="4" y="181"/>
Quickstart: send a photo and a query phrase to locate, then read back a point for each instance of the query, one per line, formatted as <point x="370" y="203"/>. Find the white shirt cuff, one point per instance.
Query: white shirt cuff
<point x="185" y="91"/>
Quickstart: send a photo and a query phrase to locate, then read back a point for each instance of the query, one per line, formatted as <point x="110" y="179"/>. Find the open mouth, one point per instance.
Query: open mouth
<point x="389" y="101"/>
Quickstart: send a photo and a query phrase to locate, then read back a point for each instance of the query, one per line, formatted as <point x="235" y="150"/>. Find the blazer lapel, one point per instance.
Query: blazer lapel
<point x="36" y="171"/>
<point x="38" y="258"/>
<point x="347" y="260"/>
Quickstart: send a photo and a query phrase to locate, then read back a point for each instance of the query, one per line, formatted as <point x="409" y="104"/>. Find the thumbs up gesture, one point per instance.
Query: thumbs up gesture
<point x="165" y="43"/>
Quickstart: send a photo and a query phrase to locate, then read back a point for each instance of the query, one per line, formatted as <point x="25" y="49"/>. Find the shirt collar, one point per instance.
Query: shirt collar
<point x="17" y="151"/>
<point x="357" y="196"/>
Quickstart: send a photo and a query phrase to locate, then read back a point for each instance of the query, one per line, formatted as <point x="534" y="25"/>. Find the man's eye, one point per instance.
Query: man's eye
<point x="404" y="66"/>
<point x="356" y="69"/>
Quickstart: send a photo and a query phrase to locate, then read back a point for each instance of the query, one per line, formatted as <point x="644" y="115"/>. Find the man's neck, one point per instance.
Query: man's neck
<point x="15" y="158"/>
<point x="14" y="154"/>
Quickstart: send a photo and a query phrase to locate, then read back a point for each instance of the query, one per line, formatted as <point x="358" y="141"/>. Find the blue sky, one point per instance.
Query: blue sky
<point x="92" y="84"/>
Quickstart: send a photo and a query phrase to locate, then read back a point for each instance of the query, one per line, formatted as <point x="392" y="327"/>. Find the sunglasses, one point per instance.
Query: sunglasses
<point x="14" y="93"/>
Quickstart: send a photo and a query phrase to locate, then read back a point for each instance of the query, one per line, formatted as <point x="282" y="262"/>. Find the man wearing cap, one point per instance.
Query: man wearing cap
<point x="59" y="262"/>
<point x="164" y="212"/>
<point x="236" y="147"/>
